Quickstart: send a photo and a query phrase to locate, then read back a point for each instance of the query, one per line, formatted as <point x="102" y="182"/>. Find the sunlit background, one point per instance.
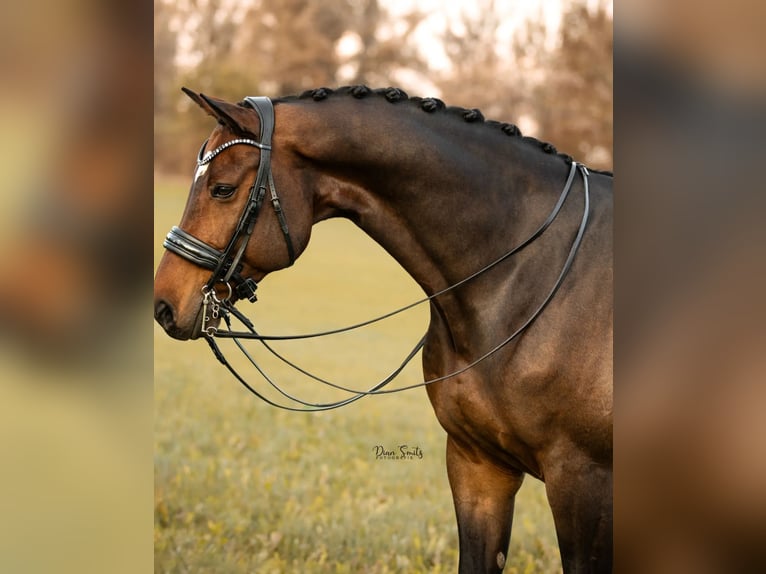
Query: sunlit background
<point x="75" y="286"/>
<point x="76" y="215"/>
<point x="545" y="66"/>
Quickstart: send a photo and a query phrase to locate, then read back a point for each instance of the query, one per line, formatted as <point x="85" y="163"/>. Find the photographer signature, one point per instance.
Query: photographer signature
<point x="402" y="452"/>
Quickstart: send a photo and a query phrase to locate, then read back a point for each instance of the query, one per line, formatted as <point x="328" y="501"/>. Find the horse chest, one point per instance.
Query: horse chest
<point x="484" y="422"/>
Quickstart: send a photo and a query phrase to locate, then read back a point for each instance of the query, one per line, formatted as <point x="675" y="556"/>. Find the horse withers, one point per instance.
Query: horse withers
<point x="520" y="356"/>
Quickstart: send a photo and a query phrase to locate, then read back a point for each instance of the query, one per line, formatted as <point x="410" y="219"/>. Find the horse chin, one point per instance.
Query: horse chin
<point x="182" y="334"/>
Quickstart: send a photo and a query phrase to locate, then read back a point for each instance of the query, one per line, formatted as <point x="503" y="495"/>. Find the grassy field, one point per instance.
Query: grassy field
<point x="243" y="487"/>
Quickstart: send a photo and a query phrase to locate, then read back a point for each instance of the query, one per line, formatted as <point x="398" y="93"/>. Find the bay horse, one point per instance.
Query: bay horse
<point x="444" y="192"/>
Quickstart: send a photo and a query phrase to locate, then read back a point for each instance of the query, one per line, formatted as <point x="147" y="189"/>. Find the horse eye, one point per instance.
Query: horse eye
<point x="223" y="191"/>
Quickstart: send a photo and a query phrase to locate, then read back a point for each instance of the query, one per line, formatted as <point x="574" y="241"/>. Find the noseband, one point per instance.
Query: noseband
<point x="226" y="265"/>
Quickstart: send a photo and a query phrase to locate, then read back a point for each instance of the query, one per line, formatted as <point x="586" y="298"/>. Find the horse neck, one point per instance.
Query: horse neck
<point x="442" y="196"/>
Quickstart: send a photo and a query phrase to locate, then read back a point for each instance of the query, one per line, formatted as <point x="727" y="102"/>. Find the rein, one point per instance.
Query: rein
<point x="252" y="334"/>
<point x="226" y="268"/>
<point x="224" y="308"/>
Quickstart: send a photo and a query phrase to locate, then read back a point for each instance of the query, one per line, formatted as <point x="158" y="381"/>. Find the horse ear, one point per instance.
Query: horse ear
<point x="224" y="112"/>
<point x="195" y="97"/>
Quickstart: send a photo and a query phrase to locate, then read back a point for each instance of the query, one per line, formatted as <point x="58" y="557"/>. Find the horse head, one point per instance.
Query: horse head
<point x="236" y="227"/>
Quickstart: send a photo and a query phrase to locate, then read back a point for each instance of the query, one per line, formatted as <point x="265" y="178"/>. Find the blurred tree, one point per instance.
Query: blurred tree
<point x="480" y="77"/>
<point x="277" y="47"/>
<point x="291" y="43"/>
<point x="207" y="30"/>
<point x="272" y="47"/>
<point x="565" y="90"/>
<point x="210" y="29"/>
<point x="572" y="100"/>
<point x="165" y="50"/>
<point x="380" y="55"/>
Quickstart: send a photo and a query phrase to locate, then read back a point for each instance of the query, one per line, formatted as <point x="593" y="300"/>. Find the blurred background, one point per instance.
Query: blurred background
<point x="75" y="287"/>
<point x="690" y="380"/>
<point x="545" y="65"/>
<point x="92" y="113"/>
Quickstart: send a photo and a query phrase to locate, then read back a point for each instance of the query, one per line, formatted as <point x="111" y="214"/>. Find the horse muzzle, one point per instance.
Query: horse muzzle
<point x="166" y="316"/>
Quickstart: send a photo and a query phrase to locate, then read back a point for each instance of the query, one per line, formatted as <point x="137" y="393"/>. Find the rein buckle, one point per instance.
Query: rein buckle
<point x="246" y="290"/>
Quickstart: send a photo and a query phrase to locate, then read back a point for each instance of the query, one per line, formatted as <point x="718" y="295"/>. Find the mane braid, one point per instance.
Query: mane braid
<point x="430" y="105"/>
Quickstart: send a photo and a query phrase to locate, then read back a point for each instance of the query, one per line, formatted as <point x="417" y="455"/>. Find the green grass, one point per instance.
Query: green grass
<point x="243" y="487"/>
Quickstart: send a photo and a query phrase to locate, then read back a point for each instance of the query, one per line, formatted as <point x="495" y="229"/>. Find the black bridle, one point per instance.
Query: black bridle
<point x="226" y="265"/>
<point x="226" y="269"/>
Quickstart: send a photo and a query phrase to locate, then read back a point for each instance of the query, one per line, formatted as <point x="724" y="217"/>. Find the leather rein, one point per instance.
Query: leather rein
<point x="226" y="268"/>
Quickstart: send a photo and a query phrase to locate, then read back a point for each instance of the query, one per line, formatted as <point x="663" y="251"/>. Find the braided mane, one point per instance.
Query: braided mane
<point x="428" y="105"/>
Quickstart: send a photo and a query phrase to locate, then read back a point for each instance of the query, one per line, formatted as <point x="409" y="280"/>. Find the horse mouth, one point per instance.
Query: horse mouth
<point x="205" y="322"/>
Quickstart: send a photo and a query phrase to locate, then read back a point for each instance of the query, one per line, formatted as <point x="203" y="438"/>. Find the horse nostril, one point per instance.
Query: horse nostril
<point x="163" y="314"/>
